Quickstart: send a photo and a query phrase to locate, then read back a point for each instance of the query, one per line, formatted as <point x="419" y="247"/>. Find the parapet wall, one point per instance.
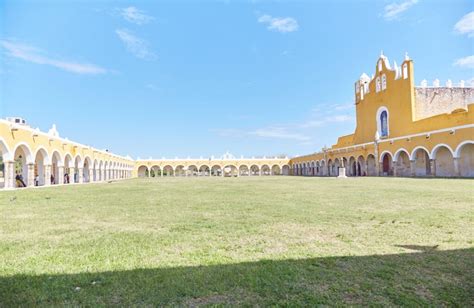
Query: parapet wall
<point x="431" y="101"/>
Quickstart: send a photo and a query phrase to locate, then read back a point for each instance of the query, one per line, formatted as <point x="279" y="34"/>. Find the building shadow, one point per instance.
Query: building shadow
<point x="427" y="277"/>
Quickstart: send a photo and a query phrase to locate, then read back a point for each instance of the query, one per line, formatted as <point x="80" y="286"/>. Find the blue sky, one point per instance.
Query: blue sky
<point x="199" y="78"/>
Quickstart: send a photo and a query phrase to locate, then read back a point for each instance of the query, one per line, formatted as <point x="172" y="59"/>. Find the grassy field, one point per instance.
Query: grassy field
<point x="240" y="241"/>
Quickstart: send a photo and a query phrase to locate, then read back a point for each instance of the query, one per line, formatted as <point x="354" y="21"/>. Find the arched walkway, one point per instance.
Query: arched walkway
<point x="276" y="170"/>
<point x="192" y="170"/>
<point x="285" y="170"/>
<point x="244" y="170"/>
<point x="466" y="160"/>
<point x="41" y="164"/>
<point x="143" y="172"/>
<point x="204" y="170"/>
<point x="266" y="170"/>
<point x="254" y="170"/>
<point x="230" y="171"/>
<point x="386" y="161"/>
<point x="402" y="163"/>
<point x="168" y="171"/>
<point x="421" y="164"/>
<point x="371" y="165"/>
<point x="216" y="170"/>
<point x="22" y="157"/>
<point x="444" y="162"/>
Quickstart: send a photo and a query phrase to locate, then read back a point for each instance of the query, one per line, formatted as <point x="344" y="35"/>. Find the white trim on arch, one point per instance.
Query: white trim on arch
<point x="457" y="152"/>
<point x="397" y="154"/>
<point x="412" y="156"/>
<point x="436" y="147"/>
<point x="5" y="151"/>
<point x="46" y="158"/>
<point x="29" y="158"/>
<point x="383" y="154"/>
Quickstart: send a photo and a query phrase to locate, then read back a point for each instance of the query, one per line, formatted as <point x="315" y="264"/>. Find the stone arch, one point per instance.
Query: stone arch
<point x="386" y="163"/>
<point x="244" y="170"/>
<point x="352" y="166"/>
<point x="142" y="171"/>
<point x="402" y="163"/>
<point x="86" y="169"/>
<point x="276" y="170"/>
<point x="336" y="166"/>
<point x="5" y="156"/>
<point x="254" y="170"/>
<point x="193" y="170"/>
<point x="41" y="161"/>
<point x="230" y="171"/>
<point x="155" y="171"/>
<point x="443" y="161"/>
<point x="361" y="171"/>
<point x="435" y="149"/>
<point x="371" y="165"/>
<point x="323" y="168"/>
<point x="285" y="170"/>
<point x="216" y="170"/>
<point x="421" y="158"/>
<point x="204" y="170"/>
<point x="168" y="170"/>
<point x="179" y="170"/>
<point x="331" y="171"/>
<point x="23" y="157"/>
<point x="56" y="164"/>
<point x="265" y="170"/>
<point x="465" y="155"/>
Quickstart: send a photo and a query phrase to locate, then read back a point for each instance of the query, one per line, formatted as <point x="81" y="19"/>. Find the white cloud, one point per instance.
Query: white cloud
<point x="280" y="24"/>
<point x="35" y="55"/>
<point x="134" y="15"/>
<point x="465" y="25"/>
<point x="393" y="10"/>
<point x="135" y="45"/>
<point x="466" y="62"/>
<point x="279" y="133"/>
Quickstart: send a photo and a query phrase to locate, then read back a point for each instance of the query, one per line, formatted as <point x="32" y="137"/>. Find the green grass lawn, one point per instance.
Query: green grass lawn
<point x="240" y="241"/>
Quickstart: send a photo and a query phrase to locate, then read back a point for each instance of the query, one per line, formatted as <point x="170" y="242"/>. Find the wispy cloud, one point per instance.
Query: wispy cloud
<point x="135" y="45"/>
<point x="466" y="62"/>
<point x="280" y="24"/>
<point x="35" y="55"/>
<point x="393" y="10"/>
<point x="279" y="133"/>
<point x="134" y="15"/>
<point x="465" y="25"/>
<point x="326" y="120"/>
<point x="330" y="116"/>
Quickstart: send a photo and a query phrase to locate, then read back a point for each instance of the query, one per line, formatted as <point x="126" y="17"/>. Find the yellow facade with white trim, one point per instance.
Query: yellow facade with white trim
<point x="427" y="135"/>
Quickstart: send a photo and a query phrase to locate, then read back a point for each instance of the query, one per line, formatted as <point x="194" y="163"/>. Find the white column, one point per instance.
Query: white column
<point x="60" y="179"/>
<point x="80" y="175"/>
<point x="47" y="175"/>
<point x="10" y="181"/>
<point x="457" y="172"/>
<point x="30" y="181"/>
<point x="433" y="167"/>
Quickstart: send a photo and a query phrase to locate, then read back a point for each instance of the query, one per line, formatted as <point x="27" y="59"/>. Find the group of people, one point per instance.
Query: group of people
<point x="21" y="183"/>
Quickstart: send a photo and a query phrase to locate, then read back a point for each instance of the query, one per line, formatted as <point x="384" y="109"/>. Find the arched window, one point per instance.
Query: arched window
<point x="382" y="119"/>
<point x="377" y="84"/>
<point x="384" y="124"/>
<point x="384" y="82"/>
<point x="405" y="71"/>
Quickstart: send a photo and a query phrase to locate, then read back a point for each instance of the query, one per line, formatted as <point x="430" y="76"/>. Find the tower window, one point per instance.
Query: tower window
<point x="384" y="124"/>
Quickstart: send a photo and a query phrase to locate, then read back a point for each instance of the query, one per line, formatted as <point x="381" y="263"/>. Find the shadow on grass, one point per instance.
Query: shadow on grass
<point x="429" y="277"/>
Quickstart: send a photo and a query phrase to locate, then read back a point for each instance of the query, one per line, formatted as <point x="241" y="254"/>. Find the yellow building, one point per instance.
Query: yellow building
<point x="402" y="130"/>
<point x="34" y="158"/>
<point x="226" y="166"/>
